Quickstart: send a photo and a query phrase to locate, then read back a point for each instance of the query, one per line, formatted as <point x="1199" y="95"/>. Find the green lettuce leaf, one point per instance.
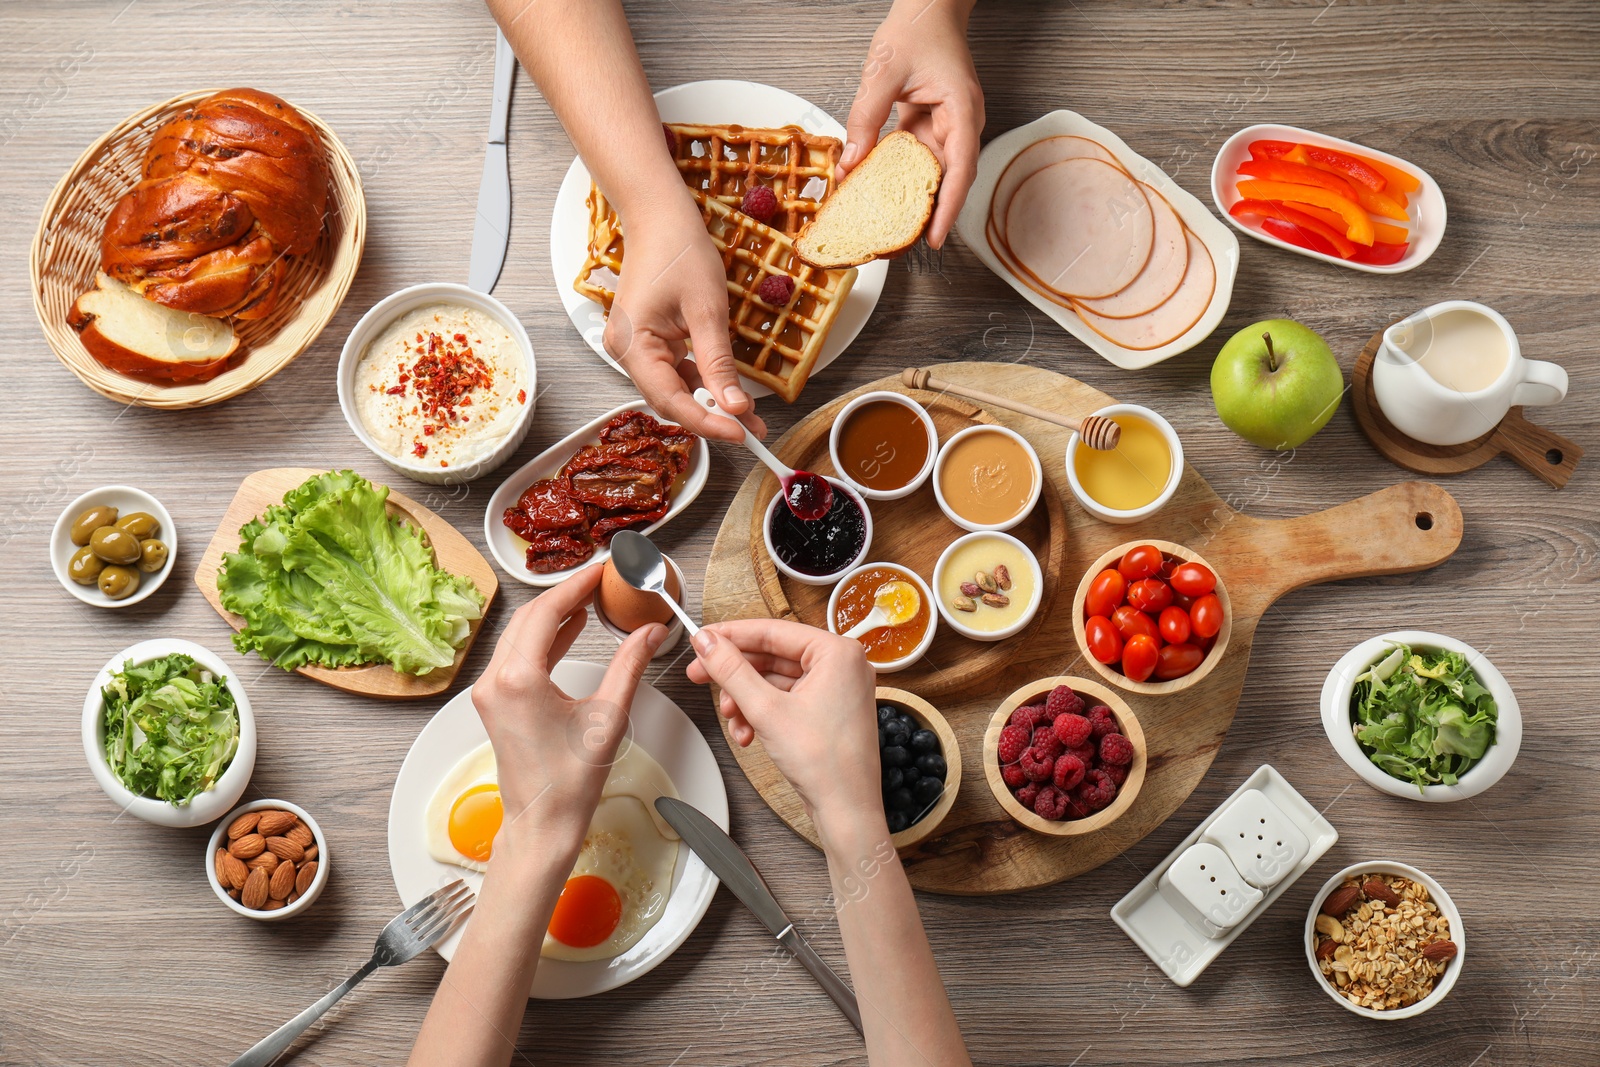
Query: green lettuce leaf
<point x="1422" y="716"/>
<point x="171" y="728"/>
<point x="329" y="578"/>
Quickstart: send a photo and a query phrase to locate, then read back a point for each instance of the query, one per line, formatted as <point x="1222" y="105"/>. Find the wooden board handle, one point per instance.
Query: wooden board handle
<point x="1544" y="452"/>
<point x="1407" y="527"/>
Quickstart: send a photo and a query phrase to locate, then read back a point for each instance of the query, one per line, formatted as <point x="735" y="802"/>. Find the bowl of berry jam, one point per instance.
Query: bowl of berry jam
<point x="921" y="765"/>
<point x="819" y="551"/>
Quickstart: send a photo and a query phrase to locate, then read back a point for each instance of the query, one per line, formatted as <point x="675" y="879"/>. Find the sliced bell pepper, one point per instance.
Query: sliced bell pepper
<point x="1400" y="181"/>
<point x="1387" y="232"/>
<point x="1298" y="235"/>
<point x="1381" y="204"/>
<point x="1358" y="224"/>
<point x="1356" y="168"/>
<point x="1282" y="170"/>
<point x="1381" y="253"/>
<point x="1270" y="211"/>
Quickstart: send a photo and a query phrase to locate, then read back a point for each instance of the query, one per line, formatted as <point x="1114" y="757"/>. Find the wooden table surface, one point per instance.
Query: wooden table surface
<point x="112" y="948"/>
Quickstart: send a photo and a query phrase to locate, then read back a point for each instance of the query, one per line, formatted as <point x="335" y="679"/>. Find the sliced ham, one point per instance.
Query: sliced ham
<point x="1173" y="318"/>
<point x="1028" y="162"/>
<point x="1081" y="227"/>
<point x="1163" y="272"/>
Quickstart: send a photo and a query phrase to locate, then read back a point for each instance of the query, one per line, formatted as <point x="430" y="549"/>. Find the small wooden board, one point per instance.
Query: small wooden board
<point x="911" y="532"/>
<point x="978" y="849"/>
<point x="451" y="551"/>
<point x="1547" y="454"/>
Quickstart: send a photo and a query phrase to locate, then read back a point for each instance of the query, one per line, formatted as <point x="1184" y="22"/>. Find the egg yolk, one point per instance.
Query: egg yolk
<point x="474" y="820"/>
<point x="587" y="911"/>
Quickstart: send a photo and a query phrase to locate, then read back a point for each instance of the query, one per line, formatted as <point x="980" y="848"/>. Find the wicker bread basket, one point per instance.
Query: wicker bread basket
<point x="66" y="254"/>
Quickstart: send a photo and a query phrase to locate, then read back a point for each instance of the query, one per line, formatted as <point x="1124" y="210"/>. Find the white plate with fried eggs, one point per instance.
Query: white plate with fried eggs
<point x="440" y="822"/>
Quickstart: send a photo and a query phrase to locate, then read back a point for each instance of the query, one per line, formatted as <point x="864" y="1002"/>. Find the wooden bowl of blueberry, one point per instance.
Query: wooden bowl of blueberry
<point x="921" y="765"/>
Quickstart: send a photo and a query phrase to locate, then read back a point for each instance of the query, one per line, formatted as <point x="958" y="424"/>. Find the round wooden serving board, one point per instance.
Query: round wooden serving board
<point x="911" y="532"/>
<point x="1547" y="454"/>
<point x="978" y="848"/>
<point x="451" y="551"/>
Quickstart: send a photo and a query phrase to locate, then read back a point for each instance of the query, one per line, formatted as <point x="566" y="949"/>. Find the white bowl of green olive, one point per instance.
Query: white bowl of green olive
<point x="113" y="546"/>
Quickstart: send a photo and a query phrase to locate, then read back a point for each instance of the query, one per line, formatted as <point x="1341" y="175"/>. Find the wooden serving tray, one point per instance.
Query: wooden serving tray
<point x="978" y="848"/>
<point x="451" y="551"/>
<point x="911" y="532"/>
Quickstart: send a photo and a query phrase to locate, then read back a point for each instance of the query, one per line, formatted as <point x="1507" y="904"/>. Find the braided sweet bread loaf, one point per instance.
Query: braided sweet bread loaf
<point x="230" y="187"/>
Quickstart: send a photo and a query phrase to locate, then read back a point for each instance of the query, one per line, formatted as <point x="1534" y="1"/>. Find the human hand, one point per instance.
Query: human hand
<point x="809" y="695"/>
<point x="674" y="290"/>
<point x="553" y="752"/>
<point x="919" y="60"/>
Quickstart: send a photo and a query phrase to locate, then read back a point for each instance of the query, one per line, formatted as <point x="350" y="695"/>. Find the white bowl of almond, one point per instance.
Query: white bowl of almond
<point x="1385" y="940"/>
<point x="267" y="860"/>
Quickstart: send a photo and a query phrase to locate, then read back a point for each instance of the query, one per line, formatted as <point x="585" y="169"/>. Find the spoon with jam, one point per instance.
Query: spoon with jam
<point x="808" y="495"/>
<point x="894" y="604"/>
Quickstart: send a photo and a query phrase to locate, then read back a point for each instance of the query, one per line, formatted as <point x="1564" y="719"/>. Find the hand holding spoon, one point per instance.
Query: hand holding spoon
<point x="893" y="604"/>
<point x="639" y="562"/>
<point x="808" y="495"/>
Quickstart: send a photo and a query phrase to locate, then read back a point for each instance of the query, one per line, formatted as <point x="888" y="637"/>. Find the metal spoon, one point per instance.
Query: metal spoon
<point x="639" y="562"/>
<point x="808" y="495"/>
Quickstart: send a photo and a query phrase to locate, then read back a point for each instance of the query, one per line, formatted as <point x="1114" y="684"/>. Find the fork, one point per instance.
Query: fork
<point x="921" y="258"/>
<point x="421" y="926"/>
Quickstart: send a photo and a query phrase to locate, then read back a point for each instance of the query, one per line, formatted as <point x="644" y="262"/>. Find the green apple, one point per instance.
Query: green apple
<point x="1276" y="383"/>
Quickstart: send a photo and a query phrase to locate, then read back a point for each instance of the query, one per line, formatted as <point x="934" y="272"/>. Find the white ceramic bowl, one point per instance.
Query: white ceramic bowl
<point x="1447" y="908"/>
<point x="952" y="617"/>
<point x="378" y="319"/>
<point x="127" y="500"/>
<point x="1426" y="210"/>
<point x="223" y="794"/>
<point x="288" y="911"/>
<point x="916" y="654"/>
<point x="1115" y="515"/>
<point x="818" y="579"/>
<point x="1341" y="682"/>
<point x="674" y="628"/>
<point x="893" y="398"/>
<point x="968" y="524"/>
<point x="510" y="551"/>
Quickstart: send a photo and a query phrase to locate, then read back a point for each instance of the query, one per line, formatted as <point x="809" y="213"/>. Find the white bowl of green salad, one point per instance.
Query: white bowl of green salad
<point x="1422" y="716"/>
<point x="169" y="733"/>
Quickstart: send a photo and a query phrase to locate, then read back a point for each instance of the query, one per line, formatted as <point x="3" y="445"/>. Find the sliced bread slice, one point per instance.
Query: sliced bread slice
<point x="879" y="209"/>
<point x="136" y="336"/>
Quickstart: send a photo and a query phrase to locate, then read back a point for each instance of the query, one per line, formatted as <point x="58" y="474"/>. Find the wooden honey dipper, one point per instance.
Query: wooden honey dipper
<point x="1097" y="431"/>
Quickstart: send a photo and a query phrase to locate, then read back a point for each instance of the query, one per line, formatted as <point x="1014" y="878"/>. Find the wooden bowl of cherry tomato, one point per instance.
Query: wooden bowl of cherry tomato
<point x="1152" y="617"/>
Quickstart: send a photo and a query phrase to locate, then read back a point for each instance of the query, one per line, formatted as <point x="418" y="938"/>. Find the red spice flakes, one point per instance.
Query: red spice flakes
<point x="444" y="463"/>
<point x="461" y="338"/>
<point x="396" y="390"/>
<point x="419" y="449"/>
<point x="427" y="431"/>
<point x="445" y="377"/>
<point x="522" y="396"/>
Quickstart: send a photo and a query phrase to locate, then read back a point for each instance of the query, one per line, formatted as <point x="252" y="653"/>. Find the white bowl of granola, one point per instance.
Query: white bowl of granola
<point x="1351" y="951"/>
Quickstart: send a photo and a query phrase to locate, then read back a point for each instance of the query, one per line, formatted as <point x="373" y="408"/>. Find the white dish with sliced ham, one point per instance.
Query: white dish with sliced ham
<point x="1100" y="239"/>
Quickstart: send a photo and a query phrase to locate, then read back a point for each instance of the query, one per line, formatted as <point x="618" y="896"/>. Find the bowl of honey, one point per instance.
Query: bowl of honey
<point x="907" y="608"/>
<point x="1134" y="480"/>
<point x="883" y="444"/>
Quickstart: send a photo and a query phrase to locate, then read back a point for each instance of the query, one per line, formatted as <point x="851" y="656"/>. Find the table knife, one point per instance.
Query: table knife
<point x="729" y="863"/>
<point x="491" y="226"/>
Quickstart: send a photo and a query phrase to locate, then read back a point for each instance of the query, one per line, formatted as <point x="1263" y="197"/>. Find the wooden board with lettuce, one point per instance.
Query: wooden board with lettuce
<point x="347" y="582"/>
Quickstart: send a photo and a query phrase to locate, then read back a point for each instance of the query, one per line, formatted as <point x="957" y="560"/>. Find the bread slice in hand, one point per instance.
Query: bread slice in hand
<point x="879" y="209"/>
<point x="136" y="336"/>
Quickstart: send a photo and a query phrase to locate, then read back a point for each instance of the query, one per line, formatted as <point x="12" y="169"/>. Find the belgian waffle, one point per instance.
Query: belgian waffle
<point x="777" y="347"/>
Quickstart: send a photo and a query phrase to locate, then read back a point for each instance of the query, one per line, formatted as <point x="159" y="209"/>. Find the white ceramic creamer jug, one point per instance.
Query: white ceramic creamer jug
<point x="1448" y="374"/>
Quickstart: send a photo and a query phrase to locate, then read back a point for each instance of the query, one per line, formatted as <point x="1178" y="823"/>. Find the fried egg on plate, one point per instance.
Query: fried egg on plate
<point x="622" y="879"/>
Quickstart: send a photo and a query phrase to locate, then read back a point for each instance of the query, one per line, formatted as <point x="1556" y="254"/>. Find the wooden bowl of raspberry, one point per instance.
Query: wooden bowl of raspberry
<point x="1064" y="756"/>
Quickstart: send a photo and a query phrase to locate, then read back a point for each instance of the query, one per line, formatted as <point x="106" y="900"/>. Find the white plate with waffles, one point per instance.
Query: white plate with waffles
<point x="748" y="104"/>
